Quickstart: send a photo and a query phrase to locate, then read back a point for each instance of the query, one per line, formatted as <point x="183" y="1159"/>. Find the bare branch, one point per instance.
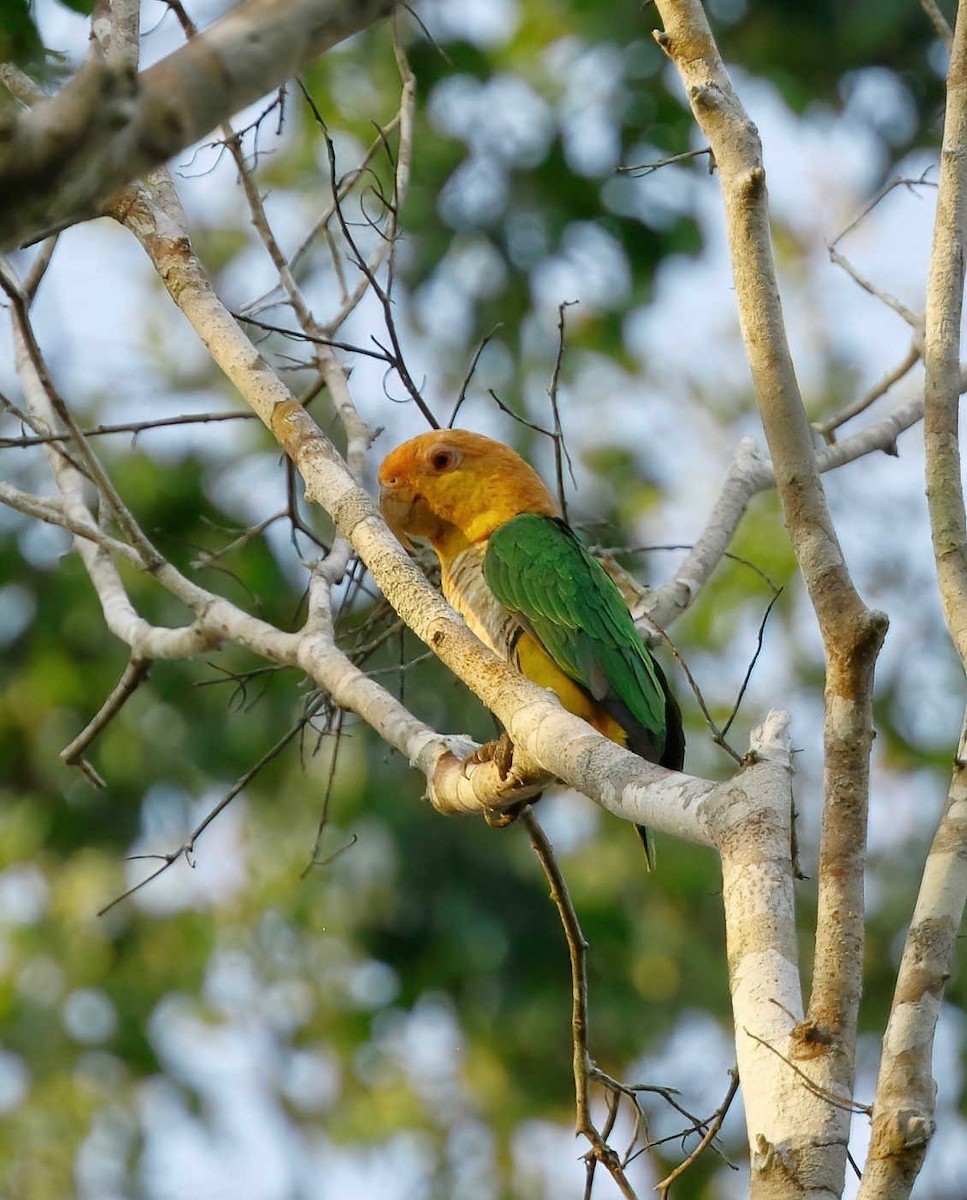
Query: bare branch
<point x="749" y="473"/>
<point x="945" y="293"/>
<point x="135" y="673"/>
<point x="580" y="1057"/>
<point x="187" y="847"/>
<point x="469" y="375"/>
<point x="906" y="1093"/>
<point x="852" y="634"/>
<point x="902" y="311"/>
<point x="938" y="21"/>
<point x="560" y="445"/>
<point x="714" y="1125"/>
<point x="903" y="1110"/>
<point x="60" y="162"/>
<point x="551" y="740"/>
<point x="827" y="428"/>
<point x="92" y="467"/>
<point x="640" y="170"/>
<point x="132" y="427"/>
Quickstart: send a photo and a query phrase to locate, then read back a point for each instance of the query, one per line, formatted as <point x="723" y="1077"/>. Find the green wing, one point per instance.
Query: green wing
<point x="537" y="568"/>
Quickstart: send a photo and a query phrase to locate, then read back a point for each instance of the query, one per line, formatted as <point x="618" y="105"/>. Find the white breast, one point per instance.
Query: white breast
<point x="466" y="589"/>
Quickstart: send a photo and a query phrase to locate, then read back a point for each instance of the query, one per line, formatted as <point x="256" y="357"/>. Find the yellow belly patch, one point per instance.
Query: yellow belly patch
<point x="540" y="668"/>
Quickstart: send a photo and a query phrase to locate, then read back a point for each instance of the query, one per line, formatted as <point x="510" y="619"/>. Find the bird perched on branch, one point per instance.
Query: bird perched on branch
<point x="529" y="588"/>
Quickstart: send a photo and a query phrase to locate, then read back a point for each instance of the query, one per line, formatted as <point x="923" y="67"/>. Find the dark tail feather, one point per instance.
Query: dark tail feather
<point x="672" y="756"/>
<point x="649" y="845"/>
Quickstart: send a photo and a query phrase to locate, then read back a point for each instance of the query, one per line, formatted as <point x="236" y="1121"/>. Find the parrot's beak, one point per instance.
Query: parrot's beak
<point x="396" y="508"/>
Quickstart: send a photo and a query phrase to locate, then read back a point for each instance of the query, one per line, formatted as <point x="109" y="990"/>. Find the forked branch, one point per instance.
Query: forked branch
<point x="852" y="634"/>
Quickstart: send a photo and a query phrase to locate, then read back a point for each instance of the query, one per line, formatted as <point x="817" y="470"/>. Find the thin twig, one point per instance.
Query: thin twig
<point x="591" y="1160"/>
<point x="133" y="676"/>
<point x="38" y="268"/>
<point x="317" y="339"/>
<point x="381" y="293"/>
<point x="823" y="1093"/>
<point x="898" y="181"/>
<point x="577" y="949"/>
<point x="640" y="170"/>
<point x="93" y="468"/>
<point x="207" y="558"/>
<point x="560" y="446"/>
<point x="718" y="735"/>
<point x="187" y="847"/>
<point x="828" y="427"/>
<point x="891" y="301"/>
<point x="132" y="427"/>
<point x="938" y="21"/>
<point x="548" y="433"/>
<point x="714" y="1125"/>
<point x="470" y="373"/>
<point x="751" y="667"/>
<point x="327" y="796"/>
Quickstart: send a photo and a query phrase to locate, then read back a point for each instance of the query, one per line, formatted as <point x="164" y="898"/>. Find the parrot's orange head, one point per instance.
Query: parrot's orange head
<point x="454" y="488"/>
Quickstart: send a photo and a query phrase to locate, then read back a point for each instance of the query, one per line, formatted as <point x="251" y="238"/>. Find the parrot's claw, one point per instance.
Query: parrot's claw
<point x="500" y="752"/>
<point x="497" y="818"/>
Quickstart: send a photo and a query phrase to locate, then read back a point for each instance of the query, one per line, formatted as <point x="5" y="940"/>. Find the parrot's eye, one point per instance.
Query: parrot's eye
<point x="443" y="458"/>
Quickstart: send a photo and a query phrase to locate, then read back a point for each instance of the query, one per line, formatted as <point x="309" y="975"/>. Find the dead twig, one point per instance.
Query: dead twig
<point x="714" y="1125"/>
<point x="470" y="373"/>
<point x="640" y="170"/>
<point x="827" y="428"/>
<point x="132" y="427"/>
<point x="580" y="1056"/>
<point x="187" y="847"/>
<point x="823" y="1093"/>
<point x="560" y="446"/>
<point x="134" y="674"/>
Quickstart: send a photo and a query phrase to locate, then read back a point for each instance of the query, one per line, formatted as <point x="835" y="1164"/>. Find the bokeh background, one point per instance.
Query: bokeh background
<point x="394" y="1023"/>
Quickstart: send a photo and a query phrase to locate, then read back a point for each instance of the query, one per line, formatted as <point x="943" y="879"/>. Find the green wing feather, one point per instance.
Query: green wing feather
<point x="537" y="568"/>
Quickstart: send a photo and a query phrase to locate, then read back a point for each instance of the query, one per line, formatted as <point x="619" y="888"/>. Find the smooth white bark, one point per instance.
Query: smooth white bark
<point x="63" y="159"/>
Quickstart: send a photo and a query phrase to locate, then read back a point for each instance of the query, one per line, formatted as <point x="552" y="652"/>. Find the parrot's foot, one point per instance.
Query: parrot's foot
<point x="497" y="818"/>
<point x="500" y="752"/>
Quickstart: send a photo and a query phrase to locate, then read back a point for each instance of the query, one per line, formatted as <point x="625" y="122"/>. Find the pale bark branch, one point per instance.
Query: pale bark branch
<point x="133" y="676"/>
<point x="632" y="789"/>
<point x="906" y="1094"/>
<point x="945" y="295"/>
<point x="551" y="740"/>
<point x="852" y="634"/>
<point x="63" y="159"/>
<point x="827" y="428"/>
<point x="939" y="21"/>
<point x="217" y="620"/>
<point x="904" y="1105"/>
<point x="791" y="1127"/>
<point x="116" y="27"/>
<point x="749" y="474"/>
<point x="798" y="1133"/>
<point x="581" y="1062"/>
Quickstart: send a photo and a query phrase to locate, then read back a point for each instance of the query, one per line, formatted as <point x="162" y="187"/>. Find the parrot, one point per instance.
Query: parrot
<point x="529" y="588"/>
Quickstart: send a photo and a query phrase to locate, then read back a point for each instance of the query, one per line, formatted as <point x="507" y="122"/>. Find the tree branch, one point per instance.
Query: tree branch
<point x="905" y="1101"/>
<point x="63" y="159"/>
<point x="551" y="740"/>
<point x="945" y="294"/>
<point x="906" y="1093"/>
<point x="748" y="475"/>
<point x="852" y="634"/>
